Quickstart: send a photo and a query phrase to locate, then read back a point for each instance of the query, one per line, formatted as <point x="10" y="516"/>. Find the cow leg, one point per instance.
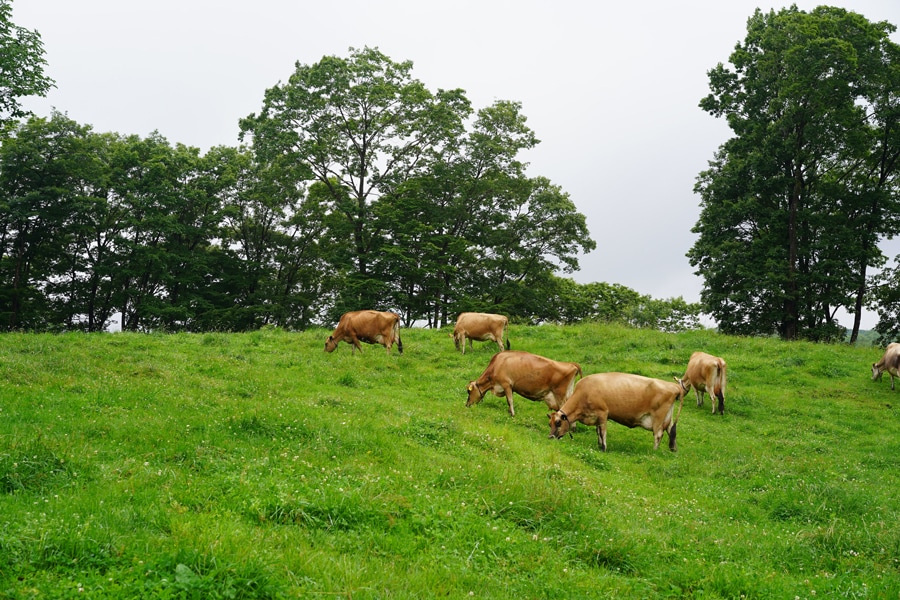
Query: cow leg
<point x="601" y="434"/>
<point x="355" y="345"/>
<point x="657" y="436"/>
<point x="509" y="399"/>
<point x="699" y="393"/>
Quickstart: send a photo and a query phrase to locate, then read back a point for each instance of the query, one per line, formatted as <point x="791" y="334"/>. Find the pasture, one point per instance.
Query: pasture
<point x="257" y="466"/>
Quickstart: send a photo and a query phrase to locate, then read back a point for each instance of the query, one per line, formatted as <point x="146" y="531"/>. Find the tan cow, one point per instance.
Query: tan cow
<point x="630" y="400"/>
<point x="369" y="326"/>
<point x="890" y="362"/>
<point x="483" y="327"/>
<point x="529" y="375"/>
<point x="706" y="373"/>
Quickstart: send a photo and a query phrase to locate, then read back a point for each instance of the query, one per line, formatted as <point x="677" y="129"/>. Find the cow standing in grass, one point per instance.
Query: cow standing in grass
<point x="630" y="400"/>
<point x="890" y="362"/>
<point x="369" y="326"/>
<point x="529" y="375"/>
<point x="706" y="373"/>
<point x="484" y="327"/>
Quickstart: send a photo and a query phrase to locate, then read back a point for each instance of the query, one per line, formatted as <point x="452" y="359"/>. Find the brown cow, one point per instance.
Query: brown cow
<point x="369" y="326"/>
<point x="631" y="400"/>
<point x="529" y="375"/>
<point x="483" y="327"/>
<point x="890" y="362"/>
<point x="706" y="373"/>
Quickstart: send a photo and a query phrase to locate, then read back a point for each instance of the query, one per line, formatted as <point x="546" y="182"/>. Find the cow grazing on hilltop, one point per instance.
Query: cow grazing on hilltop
<point x="529" y="375"/>
<point x="369" y="326"/>
<point x="630" y="400"/>
<point x="706" y="373"/>
<point x="890" y="362"/>
<point x="483" y="327"/>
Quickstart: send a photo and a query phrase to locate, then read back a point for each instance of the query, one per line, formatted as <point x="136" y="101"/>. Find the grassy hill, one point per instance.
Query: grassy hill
<point x="257" y="466"/>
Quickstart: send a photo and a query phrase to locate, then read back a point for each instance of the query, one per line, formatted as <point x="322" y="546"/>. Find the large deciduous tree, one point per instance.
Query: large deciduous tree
<point x="793" y="205"/>
<point x="429" y="218"/>
<point x="359" y="126"/>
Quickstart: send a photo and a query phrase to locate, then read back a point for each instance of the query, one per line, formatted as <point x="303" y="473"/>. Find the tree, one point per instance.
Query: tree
<point x="474" y="232"/>
<point x="789" y="210"/>
<point x="360" y="127"/>
<point x="40" y="170"/>
<point x="21" y="66"/>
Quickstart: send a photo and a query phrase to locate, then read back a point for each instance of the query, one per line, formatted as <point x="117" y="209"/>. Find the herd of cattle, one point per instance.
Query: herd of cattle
<point x="631" y="400"/>
<point x="627" y="399"/>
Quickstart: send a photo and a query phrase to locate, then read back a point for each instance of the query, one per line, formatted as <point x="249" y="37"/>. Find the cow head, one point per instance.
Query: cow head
<point x="685" y="385"/>
<point x="330" y="344"/>
<point x="876" y="372"/>
<point x="475" y="395"/>
<point x="559" y="424"/>
<point x="455" y="337"/>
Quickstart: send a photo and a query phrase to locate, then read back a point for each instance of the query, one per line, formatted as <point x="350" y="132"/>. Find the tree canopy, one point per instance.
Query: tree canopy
<point x="434" y="217"/>
<point x="794" y="204"/>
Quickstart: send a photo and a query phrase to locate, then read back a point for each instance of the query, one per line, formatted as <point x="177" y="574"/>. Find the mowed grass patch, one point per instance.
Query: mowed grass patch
<point x="256" y="465"/>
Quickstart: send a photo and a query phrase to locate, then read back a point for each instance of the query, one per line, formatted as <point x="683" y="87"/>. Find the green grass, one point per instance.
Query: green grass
<point x="257" y="466"/>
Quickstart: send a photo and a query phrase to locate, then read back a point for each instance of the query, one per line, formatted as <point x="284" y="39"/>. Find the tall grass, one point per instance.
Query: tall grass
<point x="257" y="466"/>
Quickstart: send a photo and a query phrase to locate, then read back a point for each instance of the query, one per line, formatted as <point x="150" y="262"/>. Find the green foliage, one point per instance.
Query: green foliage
<point x="21" y="66"/>
<point x="601" y="302"/>
<point x="794" y="205"/>
<point x="434" y="218"/>
<point x="256" y="465"/>
<point x="362" y="189"/>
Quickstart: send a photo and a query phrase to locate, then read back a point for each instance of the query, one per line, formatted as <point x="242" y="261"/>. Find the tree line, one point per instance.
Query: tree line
<point x="355" y="186"/>
<point x="360" y="189"/>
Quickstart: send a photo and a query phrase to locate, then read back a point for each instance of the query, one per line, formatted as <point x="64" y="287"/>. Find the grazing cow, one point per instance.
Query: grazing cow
<point x="890" y="362"/>
<point x="706" y="373"/>
<point x="369" y="326"/>
<point x="529" y="375"/>
<point x="483" y="327"/>
<point x="631" y="400"/>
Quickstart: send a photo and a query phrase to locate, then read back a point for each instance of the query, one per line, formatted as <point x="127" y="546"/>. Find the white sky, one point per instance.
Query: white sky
<point x="611" y="90"/>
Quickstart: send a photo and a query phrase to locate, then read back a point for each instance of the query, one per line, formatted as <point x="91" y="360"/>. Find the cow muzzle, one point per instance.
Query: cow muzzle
<point x="559" y="424"/>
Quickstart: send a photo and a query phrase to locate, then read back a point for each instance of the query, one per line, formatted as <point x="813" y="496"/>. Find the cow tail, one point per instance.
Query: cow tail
<point x="397" y="335"/>
<point x="506" y="335"/>
<point x="681" y="394"/>
<point x="720" y="381"/>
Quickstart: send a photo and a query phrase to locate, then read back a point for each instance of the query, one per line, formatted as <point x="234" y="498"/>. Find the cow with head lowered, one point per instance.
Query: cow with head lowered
<point x="529" y="375"/>
<point x="889" y="362"/>
<point x="630" y="400"/>
<point x="706" y="373"/>
<point x="483" y="327"/>
<point x="369" y="326"/>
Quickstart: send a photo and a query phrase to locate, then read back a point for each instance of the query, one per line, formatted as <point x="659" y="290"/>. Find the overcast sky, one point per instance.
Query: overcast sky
<point x="611" y="91"/>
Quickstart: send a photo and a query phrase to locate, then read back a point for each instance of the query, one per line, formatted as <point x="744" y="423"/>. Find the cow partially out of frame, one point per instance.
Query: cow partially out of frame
<point x="889" y="362"/>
